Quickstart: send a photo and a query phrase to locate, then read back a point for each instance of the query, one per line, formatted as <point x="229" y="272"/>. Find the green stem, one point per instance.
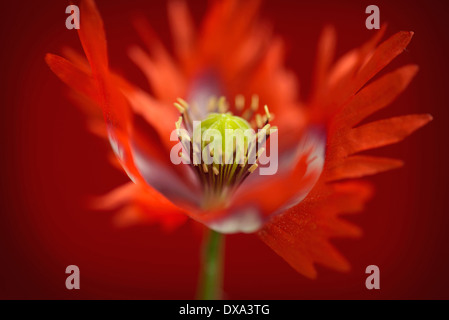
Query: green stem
<point x="211" y="277"/>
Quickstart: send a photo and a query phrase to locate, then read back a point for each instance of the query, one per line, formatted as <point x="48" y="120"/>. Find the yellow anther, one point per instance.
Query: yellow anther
<point x="186" y="137"/>
<point x="178" y="123"/>
<point x="267" y="126"/>
<point x="259" y="121"/>
<point x="212" y="104"/>
<point x="245" y="160"/>
<point x="183" y="103"/>
<point x="239" y="102"/>
<point x="179" y="107"/>
<point x="267" y="112"/>
<point x="254" y="102"/>
<point x="222" y="105"/>
<point x="253" y="168"/>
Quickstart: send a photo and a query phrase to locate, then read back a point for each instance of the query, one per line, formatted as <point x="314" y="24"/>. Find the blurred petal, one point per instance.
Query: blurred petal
<point x="325" y="56"/>
<point x="183" y="29"/>
<point x="159" y="73"/>
<point x="140" y="205"/>
<point x="73" y="76"/>
<point x="93" y="38"/>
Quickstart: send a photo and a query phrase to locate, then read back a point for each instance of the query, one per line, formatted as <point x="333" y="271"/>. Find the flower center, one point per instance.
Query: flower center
<point x="223" y="149"/>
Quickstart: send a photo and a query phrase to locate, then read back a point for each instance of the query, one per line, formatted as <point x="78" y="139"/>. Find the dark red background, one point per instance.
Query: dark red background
<point x="51" y="165"/>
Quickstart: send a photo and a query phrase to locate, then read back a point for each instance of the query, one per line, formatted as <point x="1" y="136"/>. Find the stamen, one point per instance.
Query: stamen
<point x="183" y="108"/>
<point x="185" y="136"/>
<point x="259" y="121"/>
<point x="212" y="104"/>
<point x="227" y="171"/>
<point x="183" y="103"/>
<point x="179" y="107"/>
<point x="222" y="105"/>
<point x="184" y="157"/>
<point x="253" y="168"/>
<point x="248" y="114"/>
<point x="267" y="112"/>
<point x="178" y="123"/>
<point x="267" y="126"/>
<point x="254" y="102"/>
<point x="239" y="102"/>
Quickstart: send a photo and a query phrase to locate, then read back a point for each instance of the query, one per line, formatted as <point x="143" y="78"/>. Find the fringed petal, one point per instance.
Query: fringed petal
<point x="360" y="166"/>
<point x="137" y="204"/>
<point x="333" y="84"/>
<point x="77" y="59"/>
<point x="376" y="96"/>
<point x="73" y="76"/>
<point x="158" y="66"/>
<point x="301" y="235"/>
<point x="183" y="29"/>
<point x="382" y="56"/>
<point x="325" y="56"/>
<point x="349" y="65"/>
<point x="384" y="132"/>
<point x="159" y="73"/>
<point x="160" y="116"/>
<point x="93" y="38"/>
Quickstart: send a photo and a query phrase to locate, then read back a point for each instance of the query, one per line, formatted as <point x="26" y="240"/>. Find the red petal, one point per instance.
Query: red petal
<point x="382" y="56"/>
<point x="130" y="190"/>
<point x="360" y="166"/>
<point x="93" y="38"/>
<point x="182" y="28"/>
<point x="361" y="55"/>
<point x="325" y="55"/>
<point x="376" y="96"/>
<point x="301" y="235"/>
<point x="77" y="59"/>
<point x="384" y="132"/>
<point x="140" y="205"/>
<point x="276" y="191"/>
<point x="338" y="85"/>
<point x="159" y="73"/>
<point x="71" y="75"/>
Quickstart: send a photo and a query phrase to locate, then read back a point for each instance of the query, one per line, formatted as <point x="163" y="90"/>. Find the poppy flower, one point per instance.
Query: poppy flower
<point x="230" y="74"/>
